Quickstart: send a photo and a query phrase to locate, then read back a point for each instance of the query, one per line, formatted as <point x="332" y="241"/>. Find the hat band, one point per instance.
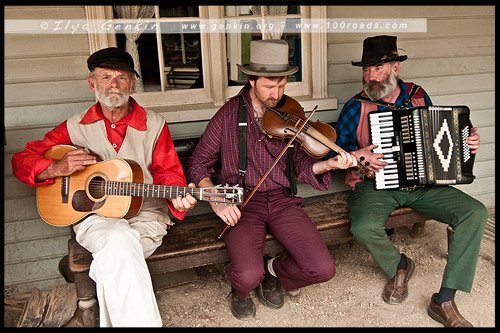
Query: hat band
<point x="268" y="67"/>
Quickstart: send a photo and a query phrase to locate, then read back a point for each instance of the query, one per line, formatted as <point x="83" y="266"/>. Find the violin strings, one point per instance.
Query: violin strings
<point x="322" y="138"/>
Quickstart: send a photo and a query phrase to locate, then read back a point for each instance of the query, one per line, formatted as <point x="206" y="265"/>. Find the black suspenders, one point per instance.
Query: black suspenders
<point x="242" y="158"/>
<point x="242" y="140"/>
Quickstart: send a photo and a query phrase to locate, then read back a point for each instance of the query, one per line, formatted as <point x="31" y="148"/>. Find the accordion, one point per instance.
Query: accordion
<point x="422" y="146"/>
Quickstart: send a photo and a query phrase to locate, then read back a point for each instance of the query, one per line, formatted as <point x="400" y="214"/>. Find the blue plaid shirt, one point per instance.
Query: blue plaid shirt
<point x="348" y="120"/>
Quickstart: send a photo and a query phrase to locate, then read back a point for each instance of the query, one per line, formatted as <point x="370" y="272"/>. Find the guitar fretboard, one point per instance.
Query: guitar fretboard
<point x="148" y="190"/>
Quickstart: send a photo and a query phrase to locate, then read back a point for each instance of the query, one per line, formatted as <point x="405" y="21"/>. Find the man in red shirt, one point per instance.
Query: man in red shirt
<point x="115" y="127"/>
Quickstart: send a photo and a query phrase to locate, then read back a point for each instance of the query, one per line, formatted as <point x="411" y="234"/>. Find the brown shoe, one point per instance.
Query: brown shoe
<point x="396" y="289"/>
<point x="447" y="314"/>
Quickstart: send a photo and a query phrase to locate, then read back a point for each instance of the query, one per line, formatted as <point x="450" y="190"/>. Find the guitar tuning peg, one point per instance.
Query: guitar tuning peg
<point x="367" y="163"/>
<point x="362" y="158"/>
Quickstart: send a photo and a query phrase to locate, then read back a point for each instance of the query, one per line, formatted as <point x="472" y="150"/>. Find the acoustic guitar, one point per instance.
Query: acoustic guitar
<point x="113" y="188"/>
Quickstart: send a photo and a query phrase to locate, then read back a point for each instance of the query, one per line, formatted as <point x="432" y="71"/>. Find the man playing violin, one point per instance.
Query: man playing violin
<point x="270" y="209"/>
<point x="369" y="208"/>
<point x="115" y="127"/>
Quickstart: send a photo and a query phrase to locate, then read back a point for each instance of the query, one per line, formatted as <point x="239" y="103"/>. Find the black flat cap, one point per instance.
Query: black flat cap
<point x="112" y="58"/>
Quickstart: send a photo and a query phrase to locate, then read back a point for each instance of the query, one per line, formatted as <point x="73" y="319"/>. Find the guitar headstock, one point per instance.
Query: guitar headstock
<point x="227" y="195"/>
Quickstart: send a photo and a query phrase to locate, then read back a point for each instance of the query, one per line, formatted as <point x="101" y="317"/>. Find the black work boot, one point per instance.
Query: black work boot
<point x="270" y="290"/>
<point x="242" y="309"/>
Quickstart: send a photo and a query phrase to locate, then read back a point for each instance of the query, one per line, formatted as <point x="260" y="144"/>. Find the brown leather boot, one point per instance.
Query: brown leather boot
<point x="396" y="289"/>
<point x="447" y="314"/>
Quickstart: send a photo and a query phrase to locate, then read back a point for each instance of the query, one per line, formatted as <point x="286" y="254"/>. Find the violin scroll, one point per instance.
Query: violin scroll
<point x="363" y="168"/>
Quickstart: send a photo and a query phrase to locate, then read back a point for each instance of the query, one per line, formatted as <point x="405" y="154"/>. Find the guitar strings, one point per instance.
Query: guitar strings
<point x="124" y="188"/>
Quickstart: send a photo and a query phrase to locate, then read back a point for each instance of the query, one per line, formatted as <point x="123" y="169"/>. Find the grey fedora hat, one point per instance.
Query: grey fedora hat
<point x="269" y="57"/>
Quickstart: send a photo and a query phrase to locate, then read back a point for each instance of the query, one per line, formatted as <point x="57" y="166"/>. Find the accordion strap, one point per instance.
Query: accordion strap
<point x="412" y="93"/>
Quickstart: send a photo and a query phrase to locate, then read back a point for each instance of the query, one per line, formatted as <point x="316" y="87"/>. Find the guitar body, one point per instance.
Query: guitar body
<point x="70" y="199"/>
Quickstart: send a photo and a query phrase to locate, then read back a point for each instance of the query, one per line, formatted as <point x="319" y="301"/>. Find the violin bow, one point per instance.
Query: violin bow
<point x="272" y="166"/>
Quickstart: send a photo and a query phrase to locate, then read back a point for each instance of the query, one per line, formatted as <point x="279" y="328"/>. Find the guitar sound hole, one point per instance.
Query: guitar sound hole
<point x="97" y="187"/>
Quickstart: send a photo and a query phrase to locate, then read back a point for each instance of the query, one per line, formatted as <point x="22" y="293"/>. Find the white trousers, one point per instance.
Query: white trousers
<point x="119" y="248"/>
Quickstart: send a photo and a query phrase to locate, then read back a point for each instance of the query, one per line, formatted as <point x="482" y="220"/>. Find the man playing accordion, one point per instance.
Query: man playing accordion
<point x="369" y="208"/>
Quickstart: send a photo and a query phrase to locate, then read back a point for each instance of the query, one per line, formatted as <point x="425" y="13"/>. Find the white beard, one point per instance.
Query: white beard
<point x="112" y="101"/>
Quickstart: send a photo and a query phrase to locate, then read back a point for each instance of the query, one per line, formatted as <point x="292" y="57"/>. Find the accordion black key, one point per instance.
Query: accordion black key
<point x="422" y="146"/>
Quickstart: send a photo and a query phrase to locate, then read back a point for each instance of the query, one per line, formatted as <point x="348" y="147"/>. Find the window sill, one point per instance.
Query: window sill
<point x="205" y="111"/>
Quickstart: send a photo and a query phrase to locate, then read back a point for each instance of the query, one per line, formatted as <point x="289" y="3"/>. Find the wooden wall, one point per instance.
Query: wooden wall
<point x="45" y="82"/>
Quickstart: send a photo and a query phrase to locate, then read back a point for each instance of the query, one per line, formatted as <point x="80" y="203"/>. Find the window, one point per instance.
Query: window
<point x="169" y="57"/>
<point x="186" y="64"/>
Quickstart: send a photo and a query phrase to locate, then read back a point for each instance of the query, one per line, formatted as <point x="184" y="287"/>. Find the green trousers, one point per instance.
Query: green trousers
<point x="369" y="209"/>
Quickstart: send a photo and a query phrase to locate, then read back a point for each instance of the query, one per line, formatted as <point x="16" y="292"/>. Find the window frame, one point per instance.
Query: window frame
<point x="202" y="103"/>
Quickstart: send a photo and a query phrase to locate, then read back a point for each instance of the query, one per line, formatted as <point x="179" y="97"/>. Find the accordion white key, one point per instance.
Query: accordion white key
<point x="422" y="146"/>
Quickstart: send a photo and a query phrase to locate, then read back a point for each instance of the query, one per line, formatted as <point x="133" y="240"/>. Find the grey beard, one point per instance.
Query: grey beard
<point x="378" y="90"/>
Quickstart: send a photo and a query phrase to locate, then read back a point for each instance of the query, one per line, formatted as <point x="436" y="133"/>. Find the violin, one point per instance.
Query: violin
<point x="287" y="119"/>
<point x="316" y="138"/>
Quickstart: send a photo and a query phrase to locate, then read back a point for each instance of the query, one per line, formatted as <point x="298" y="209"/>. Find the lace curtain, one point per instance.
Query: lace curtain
<point x="134" y="12"/>
<point x="277" y="24"/>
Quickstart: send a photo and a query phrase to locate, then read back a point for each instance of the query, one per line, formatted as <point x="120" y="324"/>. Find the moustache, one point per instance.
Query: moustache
<point x="114" y="90"/>
<point x="375" y="84"/>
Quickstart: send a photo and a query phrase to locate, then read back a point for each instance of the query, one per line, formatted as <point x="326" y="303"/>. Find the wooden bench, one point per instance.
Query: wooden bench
<point x="193" y="242"/>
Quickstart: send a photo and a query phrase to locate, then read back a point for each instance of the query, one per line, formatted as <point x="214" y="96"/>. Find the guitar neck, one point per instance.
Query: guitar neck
<point x="149" y="190"/>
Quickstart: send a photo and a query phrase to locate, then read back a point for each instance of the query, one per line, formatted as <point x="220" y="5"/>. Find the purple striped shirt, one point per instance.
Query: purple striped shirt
<point x="220" y="140"/>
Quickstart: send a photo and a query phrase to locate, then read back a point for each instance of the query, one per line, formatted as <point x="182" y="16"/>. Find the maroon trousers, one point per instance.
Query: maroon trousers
<point x="308" y="260"/>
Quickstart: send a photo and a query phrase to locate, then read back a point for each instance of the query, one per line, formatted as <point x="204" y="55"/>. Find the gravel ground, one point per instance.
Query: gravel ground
<point x="352" y="298"/>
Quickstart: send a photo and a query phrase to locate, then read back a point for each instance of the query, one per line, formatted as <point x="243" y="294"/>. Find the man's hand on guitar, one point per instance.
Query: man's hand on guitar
<point x="182" y="204"/>
<point x="371" y="159"/>
<point x="73" y="160"/>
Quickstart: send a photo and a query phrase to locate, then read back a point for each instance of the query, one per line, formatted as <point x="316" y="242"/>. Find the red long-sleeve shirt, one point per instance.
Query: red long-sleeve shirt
<point x="166" y="167"/>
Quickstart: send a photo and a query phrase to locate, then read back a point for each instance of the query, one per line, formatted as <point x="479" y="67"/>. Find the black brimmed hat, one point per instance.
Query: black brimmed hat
<point x="378" y="50"/>
<point x="112" y="58"/>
